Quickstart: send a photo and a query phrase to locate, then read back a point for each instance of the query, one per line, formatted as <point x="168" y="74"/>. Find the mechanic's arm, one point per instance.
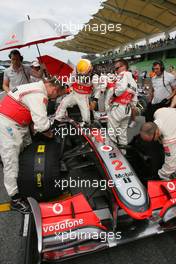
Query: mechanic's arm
<point x="99" y="87"/>
<point x="173" y="102"/>
<point x="6" y="83"/>
<point x="96" y="86"/>
<point x="5" y="86"/>
<point x="173" y="92"/>
<point x="134" y="101"/>
<point x="37" y="74"/>
<point x="96" y="96"/>
<point x="150" y="94"/>
<point x="37" y="106"/>
<point x="103" y="83"/>
<point x="172" y="83"/>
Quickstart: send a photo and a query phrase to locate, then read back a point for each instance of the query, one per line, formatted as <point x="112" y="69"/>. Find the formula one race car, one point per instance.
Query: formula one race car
<point x="100" y="201"/>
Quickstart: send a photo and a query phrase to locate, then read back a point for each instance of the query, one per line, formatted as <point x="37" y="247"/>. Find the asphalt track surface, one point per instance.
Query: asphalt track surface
<point x="154" y="250"/>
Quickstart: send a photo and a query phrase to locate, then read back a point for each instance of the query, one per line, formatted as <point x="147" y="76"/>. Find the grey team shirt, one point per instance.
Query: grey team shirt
<point x="15" y="78"/>
<point x="162" y="86"/>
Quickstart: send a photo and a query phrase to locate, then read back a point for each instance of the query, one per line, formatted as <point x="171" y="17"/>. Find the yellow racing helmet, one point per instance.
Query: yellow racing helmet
<point x="84" y="67"/>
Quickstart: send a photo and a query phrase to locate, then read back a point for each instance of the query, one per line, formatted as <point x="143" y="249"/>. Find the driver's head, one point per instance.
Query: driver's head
<point x="149" y="132"/>
<point x="84" y="71"/>
<point x="53" y="87"/>
<point x="84" y="67"/>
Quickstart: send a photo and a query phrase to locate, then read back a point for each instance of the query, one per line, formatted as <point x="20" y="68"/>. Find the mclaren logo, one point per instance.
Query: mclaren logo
<point x="134" y="193"/>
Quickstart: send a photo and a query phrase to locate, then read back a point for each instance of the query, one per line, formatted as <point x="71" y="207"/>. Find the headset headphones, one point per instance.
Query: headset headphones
<point x="160" y="63"/>
<point x="15" y="52"/>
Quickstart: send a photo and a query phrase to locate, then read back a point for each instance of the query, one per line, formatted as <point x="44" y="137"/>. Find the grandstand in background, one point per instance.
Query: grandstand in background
<point x="143" y="31"/>
<point x="141" y="57"/>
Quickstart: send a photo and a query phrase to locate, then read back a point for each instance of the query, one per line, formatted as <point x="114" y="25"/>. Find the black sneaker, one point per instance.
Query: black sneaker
<point x="20" y="205"/>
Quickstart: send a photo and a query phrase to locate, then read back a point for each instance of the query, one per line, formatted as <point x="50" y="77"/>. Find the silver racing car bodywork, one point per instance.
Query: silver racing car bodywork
<point x="127" y="216"/>
<point x="126" y="183"/>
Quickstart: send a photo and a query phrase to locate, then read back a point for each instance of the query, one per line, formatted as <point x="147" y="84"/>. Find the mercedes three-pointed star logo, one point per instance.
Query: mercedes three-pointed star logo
<point x="134" y="193"/>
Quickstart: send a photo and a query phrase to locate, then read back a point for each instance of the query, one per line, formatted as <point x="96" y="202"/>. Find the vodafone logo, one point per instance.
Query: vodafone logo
<point x="106" y="148"/>
<point x="171" y="186"/>
<point x="57" y="208"/>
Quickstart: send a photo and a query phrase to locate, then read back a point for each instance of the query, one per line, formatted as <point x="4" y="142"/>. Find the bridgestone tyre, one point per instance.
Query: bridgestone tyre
<point x="39" y="170"/>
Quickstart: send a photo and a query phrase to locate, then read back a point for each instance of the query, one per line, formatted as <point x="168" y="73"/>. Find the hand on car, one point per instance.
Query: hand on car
<point x="48" y="134"/>
<point x="92" y="105"/>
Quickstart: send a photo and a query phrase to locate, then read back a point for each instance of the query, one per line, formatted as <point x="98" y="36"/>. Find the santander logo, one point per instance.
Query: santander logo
<point x="13" y="36"/>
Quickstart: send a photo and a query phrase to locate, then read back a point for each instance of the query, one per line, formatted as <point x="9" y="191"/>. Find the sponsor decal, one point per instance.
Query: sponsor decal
<point x="167" y="151"/>
<point x="126" y="174"/>
<point x="10" y="131"/>
<point x="12" y="40"/>
<point x="112" y="155"/>
<point x="173" y="200"/>
<point x="41" y="149"/>
<point x="65" y="224"/>
<point x="106" y="148"/>
<point x="134" y="193"/>
<point x="127" y="180"/>
<point x="13" y="36"/>
<point x="171" y="186"/>
<point x="39" y="180"/>
<point x="14" y="90"/>
<point x="118" y="165"/>
<point x="57" y="208"/>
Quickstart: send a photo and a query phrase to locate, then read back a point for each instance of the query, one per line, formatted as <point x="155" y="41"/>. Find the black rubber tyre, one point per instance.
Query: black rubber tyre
<point x="40" y="170"/>
<point x="146" y="158"/>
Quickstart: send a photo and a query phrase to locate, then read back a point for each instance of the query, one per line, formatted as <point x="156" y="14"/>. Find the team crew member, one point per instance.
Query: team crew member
<point x="80" y="92"/>
<point x="173" y="102"/>
<point x="124" y="96"/>
<point x="35" y="69"/>
<point x="164" y="85"/>
<point x="164" y="129"/>
<point x="99" y="83"/>
<point x="21" y="106"/>
<point x="18" y="73"/>
<point x="109" y="90"/>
